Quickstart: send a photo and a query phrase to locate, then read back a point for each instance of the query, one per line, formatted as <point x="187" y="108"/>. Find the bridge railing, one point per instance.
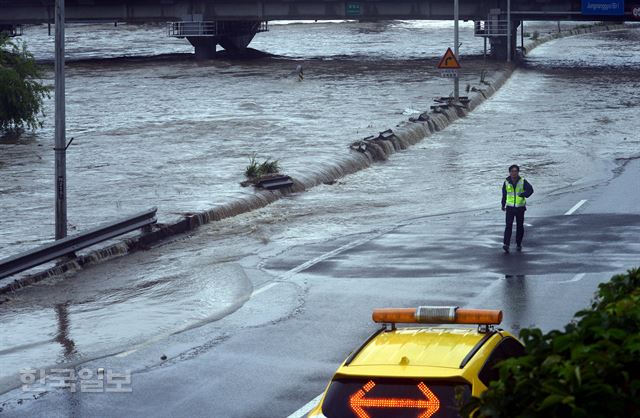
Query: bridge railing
<point x="491" y="28"/>
<point x="205" y="28"/>
<point x="199" y="28"/>
<point x="11" y="31"/>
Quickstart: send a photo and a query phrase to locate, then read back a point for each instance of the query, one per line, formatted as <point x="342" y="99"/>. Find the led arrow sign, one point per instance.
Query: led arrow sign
<point x="430" y="404"/>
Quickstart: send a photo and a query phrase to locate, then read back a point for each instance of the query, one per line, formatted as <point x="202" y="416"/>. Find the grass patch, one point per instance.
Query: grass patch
<point x="257" y="169"/>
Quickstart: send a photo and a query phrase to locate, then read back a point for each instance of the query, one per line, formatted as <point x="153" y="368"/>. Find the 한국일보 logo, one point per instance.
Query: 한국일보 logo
<point x="603" y="7"/>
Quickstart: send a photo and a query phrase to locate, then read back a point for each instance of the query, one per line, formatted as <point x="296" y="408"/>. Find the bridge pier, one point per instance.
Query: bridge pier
<point x="499" y="44"/>
<point x="205" y="36"/>
<point x="205" y="47"/>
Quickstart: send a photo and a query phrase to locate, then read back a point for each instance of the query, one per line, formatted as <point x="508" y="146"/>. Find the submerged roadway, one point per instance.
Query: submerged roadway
<point x="311" y="305"/>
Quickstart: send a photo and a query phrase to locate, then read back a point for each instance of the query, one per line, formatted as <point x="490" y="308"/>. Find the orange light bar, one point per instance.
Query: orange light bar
<point x="389" y="315"/>
<point x="437" y="315"/>
<point x="478" y="316"/>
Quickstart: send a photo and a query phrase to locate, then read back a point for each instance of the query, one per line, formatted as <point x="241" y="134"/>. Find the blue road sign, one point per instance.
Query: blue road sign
<point x="603" y="7"/>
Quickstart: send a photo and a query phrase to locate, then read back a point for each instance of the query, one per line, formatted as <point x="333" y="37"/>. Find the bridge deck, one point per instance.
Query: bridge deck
<point x="41" y="11"/>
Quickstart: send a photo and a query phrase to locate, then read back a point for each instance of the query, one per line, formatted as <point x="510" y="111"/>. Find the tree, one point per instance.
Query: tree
<point x="21" y="91"/>
<point x="591" y="369"/>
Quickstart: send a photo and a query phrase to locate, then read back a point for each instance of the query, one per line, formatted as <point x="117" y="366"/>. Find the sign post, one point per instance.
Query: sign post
<point x="509" y="30"/>
<point x="456" y="16"/>
<point x="60" y="138"/>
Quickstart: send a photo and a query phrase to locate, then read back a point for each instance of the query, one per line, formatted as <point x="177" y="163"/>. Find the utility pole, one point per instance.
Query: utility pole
<point x="60" y="137"/>
<point x="508" y="30"/>
<point x="456" y="80"/>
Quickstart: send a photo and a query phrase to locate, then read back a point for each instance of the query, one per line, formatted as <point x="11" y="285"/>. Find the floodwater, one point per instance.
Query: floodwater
<point x="180" y="133"/>
<point x="177" y="134"/>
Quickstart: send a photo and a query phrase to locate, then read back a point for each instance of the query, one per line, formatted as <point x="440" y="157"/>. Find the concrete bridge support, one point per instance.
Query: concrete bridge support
<point x="499" y="44"/>
<point x="233" y="36"/>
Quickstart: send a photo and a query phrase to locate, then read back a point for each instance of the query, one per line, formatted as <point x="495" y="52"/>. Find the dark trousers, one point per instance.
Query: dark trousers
<point x="518" y="214"/>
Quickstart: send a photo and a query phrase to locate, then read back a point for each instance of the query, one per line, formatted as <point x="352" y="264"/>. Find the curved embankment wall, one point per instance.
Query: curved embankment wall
<point x="363" y="153"/>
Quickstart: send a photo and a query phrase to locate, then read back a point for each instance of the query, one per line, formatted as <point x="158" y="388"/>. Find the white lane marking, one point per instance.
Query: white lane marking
<point x="126" y="353"/>
<point x="308" y="264"/>
<point x="307" y="407"/>
<point x="576" y="207"/>
<point x="330" y="254"/>
<point x="264" y="288"/>
<point x="576" y="278"/>
<point x="288" y="275"/>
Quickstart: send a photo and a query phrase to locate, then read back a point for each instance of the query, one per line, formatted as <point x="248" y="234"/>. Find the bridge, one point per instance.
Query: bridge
<point x="233" y="23"/>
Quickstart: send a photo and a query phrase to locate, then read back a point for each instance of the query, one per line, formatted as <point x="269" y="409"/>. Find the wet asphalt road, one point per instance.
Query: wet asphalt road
<point x="278" y="351"/>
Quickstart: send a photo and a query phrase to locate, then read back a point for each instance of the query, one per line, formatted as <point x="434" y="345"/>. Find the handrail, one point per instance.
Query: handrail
<point x="65" y="246"/>
<point x="205" y="28"/>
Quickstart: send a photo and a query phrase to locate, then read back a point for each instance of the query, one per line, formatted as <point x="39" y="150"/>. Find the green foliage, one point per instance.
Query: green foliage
<point x="535" y="35"/>
<point x="21" y="92"/>
<point x="591" y="369"/>
<point x="255" y="170"/>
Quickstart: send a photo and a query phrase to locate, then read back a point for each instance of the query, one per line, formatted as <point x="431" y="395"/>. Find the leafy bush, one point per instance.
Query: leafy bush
<point x="591" y="369"/>
<point x="535" y="35"/>
<point x="255" y="170"/>
<point x="21" y="92"/>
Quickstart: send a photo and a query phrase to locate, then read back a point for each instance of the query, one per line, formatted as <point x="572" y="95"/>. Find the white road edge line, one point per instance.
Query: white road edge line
<point x="576" y="278"/>
<point x="576" y="207"/>
<point x="307" y="264"/>
<point x="306" y="408"/>
<point x="264" y="288"/>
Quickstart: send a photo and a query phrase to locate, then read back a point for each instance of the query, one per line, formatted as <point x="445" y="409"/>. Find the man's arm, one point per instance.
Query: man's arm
<point x="504" y="195"/>
<point x="528" y="189"/>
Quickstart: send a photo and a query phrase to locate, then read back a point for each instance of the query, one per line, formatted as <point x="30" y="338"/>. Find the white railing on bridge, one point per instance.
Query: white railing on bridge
<point x="490" y="28"/>
<point x="11" y="31"/>
<point x="203" y="28"/>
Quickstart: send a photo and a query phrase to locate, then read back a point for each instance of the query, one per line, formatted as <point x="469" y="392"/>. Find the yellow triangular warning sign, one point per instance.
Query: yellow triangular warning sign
<point x="449" y="61"/>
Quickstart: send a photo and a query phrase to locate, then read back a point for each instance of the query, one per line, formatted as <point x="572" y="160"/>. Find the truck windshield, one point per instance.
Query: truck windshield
<point x="398" y="398"/>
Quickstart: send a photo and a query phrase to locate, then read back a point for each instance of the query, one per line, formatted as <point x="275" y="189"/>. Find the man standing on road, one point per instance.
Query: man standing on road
<point x="515" y="191"/>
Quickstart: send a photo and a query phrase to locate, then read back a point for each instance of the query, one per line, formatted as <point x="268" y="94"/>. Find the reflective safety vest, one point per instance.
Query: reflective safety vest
<point x="513" y="198"/>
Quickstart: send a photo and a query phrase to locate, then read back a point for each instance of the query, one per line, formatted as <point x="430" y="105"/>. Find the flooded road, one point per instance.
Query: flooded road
<point x="180" y="132"/>
<point x="566" y="116"/>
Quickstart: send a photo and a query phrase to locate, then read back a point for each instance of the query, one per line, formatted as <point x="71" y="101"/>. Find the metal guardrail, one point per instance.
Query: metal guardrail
<point x="11" y="31"/>
<point x="491" y="28"/>
<point x="200" y="28"/>
<point x="205" y="28"/>
<point x="69" y="245"/>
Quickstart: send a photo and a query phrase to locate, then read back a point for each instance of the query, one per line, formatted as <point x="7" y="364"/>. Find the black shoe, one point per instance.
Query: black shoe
<point x="505" y="248"/>
<point x="519" y="248"/>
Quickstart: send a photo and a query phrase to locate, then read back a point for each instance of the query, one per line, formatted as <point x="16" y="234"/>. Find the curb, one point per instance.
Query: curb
<point x="363" y="154"/>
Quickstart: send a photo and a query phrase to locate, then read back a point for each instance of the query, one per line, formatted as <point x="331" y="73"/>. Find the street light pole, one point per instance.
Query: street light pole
<point x="508" y="30"/>
<point x="456" y="80"/>
<point x="60" y="138"/>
